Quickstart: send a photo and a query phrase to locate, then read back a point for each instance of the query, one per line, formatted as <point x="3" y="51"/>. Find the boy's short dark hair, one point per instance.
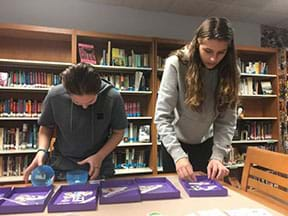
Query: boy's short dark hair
<point x="81" y="79"/>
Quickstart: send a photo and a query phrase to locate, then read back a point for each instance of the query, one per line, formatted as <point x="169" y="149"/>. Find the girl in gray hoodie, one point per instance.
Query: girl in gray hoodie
<point x="196" y="106"/>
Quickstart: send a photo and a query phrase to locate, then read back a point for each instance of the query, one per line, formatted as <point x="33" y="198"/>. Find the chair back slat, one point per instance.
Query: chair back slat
<point x="268" y="190"/>
<point x="269" y="177"/>
<point x="266" y="172"/>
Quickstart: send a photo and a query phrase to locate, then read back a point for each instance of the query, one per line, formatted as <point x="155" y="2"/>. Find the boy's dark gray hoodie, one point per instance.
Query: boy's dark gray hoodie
<point x="81" y="132"/>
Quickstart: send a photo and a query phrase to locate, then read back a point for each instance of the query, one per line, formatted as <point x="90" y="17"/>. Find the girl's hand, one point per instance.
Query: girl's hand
<point x="184" y="169"/>
<point x="216" y="170"/>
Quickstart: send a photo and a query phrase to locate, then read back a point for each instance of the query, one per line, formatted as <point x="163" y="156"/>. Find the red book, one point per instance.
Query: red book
<point x="87" y="53"/>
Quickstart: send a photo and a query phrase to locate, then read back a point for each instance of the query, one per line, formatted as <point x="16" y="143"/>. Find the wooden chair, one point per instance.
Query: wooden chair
<point x="265" y="174"/>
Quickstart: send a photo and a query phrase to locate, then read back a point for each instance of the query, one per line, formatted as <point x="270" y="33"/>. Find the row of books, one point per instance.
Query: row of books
<point x="112" y="56"/>
<point x="250" y="86"/>
<point x="237" y="154"/>
<point x="160" y="62"/>
<point x="253" y="130"/>
<point x="128" y="82"/>
<point x="160" y="157"/>
<point x="20" y="108"/>
<point x="253" y="67"/>
<point x="17" y="138"/>
<point x="26" y="137"/>
<point x="137" y="133"/>
<point x="133" y="108"/>
<point x="14" y="165"/>
<point x="120" y="57"/>
<point x="29" y="79"/>
<point x="130" y="158"/>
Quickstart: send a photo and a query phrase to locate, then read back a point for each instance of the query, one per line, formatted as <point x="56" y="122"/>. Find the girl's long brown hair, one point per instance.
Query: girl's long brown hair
<point x="228" y="83"/>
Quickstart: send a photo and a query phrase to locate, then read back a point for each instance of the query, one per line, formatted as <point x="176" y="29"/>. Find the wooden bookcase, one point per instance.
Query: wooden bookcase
<point x="163" y="48"/>
<point x="28" y="55"/>
<point x="283" y="98"/>
<point x="259" y="123"/>
<point x="136" y="54"/>
<point x="47" y="50"/>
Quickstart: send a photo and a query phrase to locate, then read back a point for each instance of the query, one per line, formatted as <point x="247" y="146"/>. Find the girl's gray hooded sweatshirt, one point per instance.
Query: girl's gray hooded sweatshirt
<point x="176" y="122"/>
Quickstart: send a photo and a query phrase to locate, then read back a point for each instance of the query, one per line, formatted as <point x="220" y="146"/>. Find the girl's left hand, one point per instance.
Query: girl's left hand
<point x="216" y="170"/>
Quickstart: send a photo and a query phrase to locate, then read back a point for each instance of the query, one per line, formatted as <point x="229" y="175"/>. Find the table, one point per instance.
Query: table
<point x="184" y="206"/>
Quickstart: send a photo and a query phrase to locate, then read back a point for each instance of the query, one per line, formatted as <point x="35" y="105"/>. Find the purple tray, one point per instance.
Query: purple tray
<point x="26" y="199"/>
<point x="119" y="191"/>
<point x="157" y="188"/>
<point x="80" y="197"/>
<point x="4" y="192"/>
<point x="203" y="187"/>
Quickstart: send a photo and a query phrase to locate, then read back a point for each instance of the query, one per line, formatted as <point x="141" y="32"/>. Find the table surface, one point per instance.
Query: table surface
<point x="186" y="205"/>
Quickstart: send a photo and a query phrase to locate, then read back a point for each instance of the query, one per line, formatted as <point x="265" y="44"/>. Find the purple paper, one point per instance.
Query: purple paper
<point x="25" y="199"/>
<point x="157" y="188"/>
<point x="119" y="191"/>
<point x="80" y="197"/>
<point x="203" y="187"/>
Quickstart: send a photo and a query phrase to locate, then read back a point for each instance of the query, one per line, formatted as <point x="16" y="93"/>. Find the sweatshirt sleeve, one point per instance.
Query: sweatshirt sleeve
<point x="164" y="114"/>
<point x="224" y="127"/>
<point x="47" y="118"/>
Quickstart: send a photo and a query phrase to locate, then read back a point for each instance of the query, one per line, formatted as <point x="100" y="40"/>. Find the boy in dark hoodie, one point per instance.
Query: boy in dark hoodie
<point x="89" y="118"/>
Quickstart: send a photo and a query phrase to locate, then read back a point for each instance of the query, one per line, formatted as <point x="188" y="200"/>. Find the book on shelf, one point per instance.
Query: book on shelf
<point x="137" y="133"/>
<point x="118" y="57"/>
<point x="108" y="58"/>
<point x="4" y="78"/>
<point x="130" y="158"/>
<point x="250" y="86"/>
<point x="253" y="130"/>
<point x="1" y="138"/>
<point x="87" y="53"/>
<point x="144" y="133"/>
<point x="31" y="79"/>
<point x="257" y="67"/>
<point x="266" y="87"/>
<point x="103" y="60"/>
<point x="19" y="138"/>
<point x="132" y="108"/>
<point x="20" y="107"/>
<point x="138" y="78"/>
<point x="14" y="165"/>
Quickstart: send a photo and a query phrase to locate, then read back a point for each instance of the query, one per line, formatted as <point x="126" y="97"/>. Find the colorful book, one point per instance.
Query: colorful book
<point x="87" y="53"/>
<point x="3" y="78"/>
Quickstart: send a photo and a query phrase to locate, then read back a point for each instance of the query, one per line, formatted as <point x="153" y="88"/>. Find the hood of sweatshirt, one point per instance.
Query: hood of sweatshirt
<point x="105" y="86"/>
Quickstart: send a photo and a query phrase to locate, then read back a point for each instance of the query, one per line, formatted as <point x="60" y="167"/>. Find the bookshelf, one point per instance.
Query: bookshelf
<point x="43" y="50"/>
<point x="163" y="48"/>
<point x="258" y="124"/>
<point x="32" y="57"/>
<point x="127" y="62"/>
<point x="283" y="97"/>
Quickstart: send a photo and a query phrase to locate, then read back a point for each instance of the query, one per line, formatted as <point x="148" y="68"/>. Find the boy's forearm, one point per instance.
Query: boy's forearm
<point x="111" y="144"/>
<point x="44" y="137"/>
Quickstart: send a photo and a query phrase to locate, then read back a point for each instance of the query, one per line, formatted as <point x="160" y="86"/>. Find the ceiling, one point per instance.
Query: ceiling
<point x="268" y="12"/>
